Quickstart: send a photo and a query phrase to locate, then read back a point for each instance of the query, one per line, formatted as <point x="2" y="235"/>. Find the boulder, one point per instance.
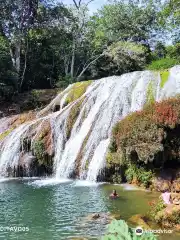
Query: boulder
<point x="161" y="185"/>
<point x="139" y="220"/>
<point x="103" y="218"/>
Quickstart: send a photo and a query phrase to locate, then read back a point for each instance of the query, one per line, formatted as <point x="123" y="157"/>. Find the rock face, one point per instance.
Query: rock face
<point x="168" y="180"/>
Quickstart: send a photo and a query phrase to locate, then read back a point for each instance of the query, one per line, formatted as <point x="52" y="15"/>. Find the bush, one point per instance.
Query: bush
<point x="173" y="51"/>
<point x="126" y="56"/>
<point x="139" y="174"/>
<point x="163" y="64"/>
<point x="148" y="138"/>
<point x="156" y="206"/>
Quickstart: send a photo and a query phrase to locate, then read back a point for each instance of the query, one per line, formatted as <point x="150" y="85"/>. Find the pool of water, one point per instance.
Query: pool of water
<point x="56" y="210"/>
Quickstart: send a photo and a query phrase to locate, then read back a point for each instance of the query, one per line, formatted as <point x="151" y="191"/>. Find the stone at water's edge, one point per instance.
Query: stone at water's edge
<point x="57" y="142"/>
<point x="139" y="220"/>
<point x="104" y="218"/>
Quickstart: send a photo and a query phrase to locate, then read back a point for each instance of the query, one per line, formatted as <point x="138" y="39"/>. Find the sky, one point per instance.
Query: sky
<point x="93" y="6"/>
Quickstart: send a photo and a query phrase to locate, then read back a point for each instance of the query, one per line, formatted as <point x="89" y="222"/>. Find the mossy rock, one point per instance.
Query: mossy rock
<point x="164" y="78"/>
<point x="39" y="151"/>
<point x="77" y="90"/>
<point x="150" y="93"/>
<point x="5" y="134"/>
<point x="72" y="117"/>
<point x="139" y="220"/>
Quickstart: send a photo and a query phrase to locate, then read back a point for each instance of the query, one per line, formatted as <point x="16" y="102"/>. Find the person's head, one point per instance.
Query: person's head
<point x="114" y="192"/>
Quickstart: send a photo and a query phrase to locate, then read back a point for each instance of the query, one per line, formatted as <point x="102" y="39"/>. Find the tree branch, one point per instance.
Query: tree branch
<point x="85" y="68"/>
<point x="89" y="2"/>
<point x="76" y="4"/>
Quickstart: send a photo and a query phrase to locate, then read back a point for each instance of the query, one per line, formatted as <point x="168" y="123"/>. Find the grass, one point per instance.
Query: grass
<point x="162" y="64"/>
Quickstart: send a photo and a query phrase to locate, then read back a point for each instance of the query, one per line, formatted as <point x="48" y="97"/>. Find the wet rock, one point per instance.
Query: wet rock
<point x="103" y="218"/>
<point x="139" y="220"/>
<point x="161" y="185"/>
<point x="1" y="114"/>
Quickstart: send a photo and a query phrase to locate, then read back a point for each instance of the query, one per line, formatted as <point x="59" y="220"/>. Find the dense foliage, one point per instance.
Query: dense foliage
<point x="44" y="44"/>
<point x="147" y="140"/>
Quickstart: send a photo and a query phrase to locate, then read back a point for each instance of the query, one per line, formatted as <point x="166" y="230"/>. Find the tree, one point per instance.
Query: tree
<point x="160" y="50"/>
<point x="127" y="21"/>
<point x="122" y="57"/>
<point x="7" y="75"/>
<point x="170" y="12"/>
<point x="16" y="18"/>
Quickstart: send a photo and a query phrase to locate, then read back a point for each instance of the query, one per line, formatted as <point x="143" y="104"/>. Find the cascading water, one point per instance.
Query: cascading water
<point x="104" y="103"/>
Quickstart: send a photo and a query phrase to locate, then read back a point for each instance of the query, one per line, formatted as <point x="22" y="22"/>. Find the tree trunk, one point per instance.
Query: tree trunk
<point x="25" y="66"/>
<point x="88" y="65"/>
<point x="73" y="59"/>
<point x="15" y="52"/>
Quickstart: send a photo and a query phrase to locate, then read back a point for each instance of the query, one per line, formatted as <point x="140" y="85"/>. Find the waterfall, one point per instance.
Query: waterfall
<point x="82" y="148"/>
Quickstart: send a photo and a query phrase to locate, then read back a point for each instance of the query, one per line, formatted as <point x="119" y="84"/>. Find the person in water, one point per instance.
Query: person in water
<point x="114" y="194"/>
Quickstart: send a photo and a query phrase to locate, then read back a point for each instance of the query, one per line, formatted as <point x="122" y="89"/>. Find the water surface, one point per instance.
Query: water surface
<point x="57" y="210"/>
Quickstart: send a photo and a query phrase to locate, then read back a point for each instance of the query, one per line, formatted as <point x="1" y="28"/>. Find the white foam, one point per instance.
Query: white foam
<point x="85" y="183"/>
<point x="5" y="179"/>
<point x="48" y="181"/>
<point x="130" y="187"/>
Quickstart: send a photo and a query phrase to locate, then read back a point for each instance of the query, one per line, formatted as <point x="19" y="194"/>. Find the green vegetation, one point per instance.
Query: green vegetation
<point x="77" y="90"/>
<point x="145" y="141"/>
<point x="6" y="133"/>
<point x="170" y="218"/>
<point x="163" y="64"/>
<point x="156" y="206"/>
<point x="150" y="93"/>
<point x="118" y="229"/>
<point x="39" y="151"/>
<point x="139" y="175"/>
<point x="164" y="77"/>
<point x="163" y="216"/>
<point x="52" y="48"/>
<point x="72" y="117"/>
<point x="125" y="56"/>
